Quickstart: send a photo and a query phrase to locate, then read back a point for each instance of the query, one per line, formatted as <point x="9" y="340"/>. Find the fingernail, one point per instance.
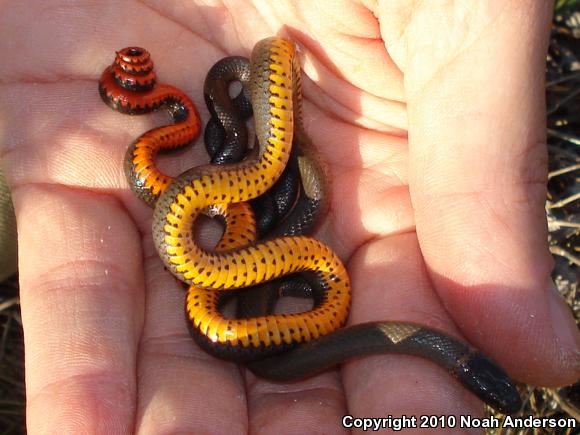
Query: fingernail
<point x="565" y="327"/>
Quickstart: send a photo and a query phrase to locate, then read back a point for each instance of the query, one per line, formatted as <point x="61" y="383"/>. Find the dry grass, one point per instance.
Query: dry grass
<point x="12" y="398"/>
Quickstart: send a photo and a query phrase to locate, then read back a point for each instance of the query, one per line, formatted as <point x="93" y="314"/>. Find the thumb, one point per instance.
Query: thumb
<point x="474" y="78"/>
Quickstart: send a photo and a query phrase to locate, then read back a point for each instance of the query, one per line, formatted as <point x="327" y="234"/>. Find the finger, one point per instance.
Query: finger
<point x="349" y="73"/>
<point x="390" y="283"/>
<point x="182" y="389"/>
<point x="478" y="181"/>
<point x="344" y="37"/>
<point x="314" y="404"/>
<point x="79" y="252"/>
<point x="82" y="309"/>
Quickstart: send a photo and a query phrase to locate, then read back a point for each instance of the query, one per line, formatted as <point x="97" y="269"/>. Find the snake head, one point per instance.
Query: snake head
<point x="490" y="383"/>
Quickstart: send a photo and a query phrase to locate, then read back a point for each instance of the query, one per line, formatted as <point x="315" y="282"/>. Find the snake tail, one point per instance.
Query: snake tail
<point x="129" y="86"/>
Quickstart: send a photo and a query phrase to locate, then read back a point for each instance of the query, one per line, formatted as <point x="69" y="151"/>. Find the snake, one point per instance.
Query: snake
<point x="280" y="347"/>
<point x="130" y="86"/>
<point x="294" y="204"/>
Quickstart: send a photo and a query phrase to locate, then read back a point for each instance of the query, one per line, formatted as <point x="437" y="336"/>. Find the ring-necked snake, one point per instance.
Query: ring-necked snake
<point x="278" y="212"/>
<point x="289" y="346"/>
<point x="292" y="206"/>
<point x="129" y="86"/>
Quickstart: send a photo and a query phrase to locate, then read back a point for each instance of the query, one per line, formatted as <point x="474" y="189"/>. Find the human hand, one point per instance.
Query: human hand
<point x="445" y="230"/>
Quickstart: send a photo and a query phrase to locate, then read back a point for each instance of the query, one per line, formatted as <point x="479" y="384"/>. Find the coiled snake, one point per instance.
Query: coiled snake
<point x="279" y="347"/>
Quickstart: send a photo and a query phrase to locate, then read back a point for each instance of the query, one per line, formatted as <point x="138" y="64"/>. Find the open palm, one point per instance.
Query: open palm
<point x="431" y="121"/>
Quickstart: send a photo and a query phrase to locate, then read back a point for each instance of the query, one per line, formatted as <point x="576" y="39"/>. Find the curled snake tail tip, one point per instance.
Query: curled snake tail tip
<point x="490" y="383"/>
<point x="129" y="86"/>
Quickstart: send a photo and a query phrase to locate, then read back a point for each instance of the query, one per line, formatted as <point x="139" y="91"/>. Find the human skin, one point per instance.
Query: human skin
<point x="430" y="116"/>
